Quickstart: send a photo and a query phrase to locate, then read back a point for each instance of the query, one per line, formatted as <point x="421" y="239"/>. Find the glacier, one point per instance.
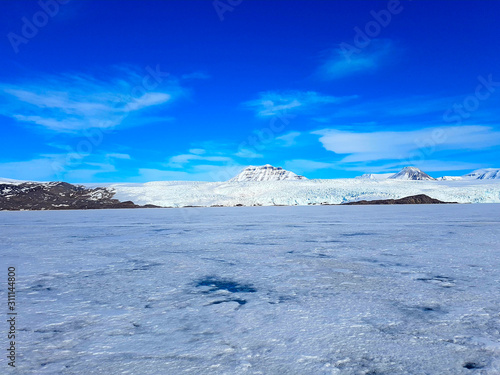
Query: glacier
<point x="301" y="192"/>
<point x="341" y="290"/>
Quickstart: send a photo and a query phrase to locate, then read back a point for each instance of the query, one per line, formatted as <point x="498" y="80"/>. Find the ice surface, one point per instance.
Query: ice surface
<point x="257" y="290"/>
<point x="305" y="192"/>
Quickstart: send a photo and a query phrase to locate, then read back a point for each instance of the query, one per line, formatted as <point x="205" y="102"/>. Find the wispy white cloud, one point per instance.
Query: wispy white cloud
<point x="432" y="165"/>
<point x="390" y="145"/>
<point x="246" y="153"/>
<point x="202" y="172"/>
<point x="303" y="166"/>
<point x="70" y="167"/>
<point x="74" y="102"/>
<point x="197" y="151"/>
<point x="39" y="169"/>
<point x="118" y="156"/>
<point x="343" y="62"/>
<point x="180" y="161"/>
<point x="273" y="103"/>
<point x="289" y="139"/>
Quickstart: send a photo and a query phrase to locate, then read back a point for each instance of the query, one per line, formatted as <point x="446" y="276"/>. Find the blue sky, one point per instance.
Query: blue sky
<point x="135" y="91"/>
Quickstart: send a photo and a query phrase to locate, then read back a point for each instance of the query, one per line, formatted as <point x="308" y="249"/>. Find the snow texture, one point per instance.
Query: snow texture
<point x="374" y="176"/>
<point x="397" y="290"/>
<point x="306" y="192"/>
<point x="412" y="173"/>
<point x="265" y="173"/>
<point x="485" y="174"/>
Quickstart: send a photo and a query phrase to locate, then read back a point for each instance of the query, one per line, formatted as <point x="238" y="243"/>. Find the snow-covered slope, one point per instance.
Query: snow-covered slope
<point x="10" y="181"/>
<point x="484" y="174"/>
<point x="450" y="178"/>
<point x="372" y="176"/>
<point x="412" y="173"/>
<point x="265" y="173"/>
<point x="302" y="192"/>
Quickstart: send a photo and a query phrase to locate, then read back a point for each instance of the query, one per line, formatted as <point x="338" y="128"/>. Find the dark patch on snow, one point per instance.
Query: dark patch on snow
<point x="281" y="299"/>
<point x="424" y="311"/>
<point x="472" y="365"/>
<point x="215" y="284"/>
<point x="39" y="288"/>
<point x="442" y="281"/>
<point x="241" y="302"/>
<point x="140" y="265"/>
<point x="355" y="234"/>
<point x="55" y="330"/>
<point x="220" y="261"/>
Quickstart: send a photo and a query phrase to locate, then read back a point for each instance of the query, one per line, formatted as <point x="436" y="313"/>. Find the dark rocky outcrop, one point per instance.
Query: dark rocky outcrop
<point x="414" y="199"/>
<point x="57" y="196"/>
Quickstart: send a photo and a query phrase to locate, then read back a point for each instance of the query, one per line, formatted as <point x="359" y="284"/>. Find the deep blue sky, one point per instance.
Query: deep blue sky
<point x="137" y="91"/>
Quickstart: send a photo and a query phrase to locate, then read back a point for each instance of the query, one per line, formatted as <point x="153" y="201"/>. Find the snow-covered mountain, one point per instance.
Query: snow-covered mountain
<point x="484" y="174"/>
<point x="19" y="195"/>
<point x="412" y="173"/>
<point x="265" y="173"/>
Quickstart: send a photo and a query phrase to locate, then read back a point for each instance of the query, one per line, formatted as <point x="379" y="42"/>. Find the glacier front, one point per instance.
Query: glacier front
<point x="302" y="192"/>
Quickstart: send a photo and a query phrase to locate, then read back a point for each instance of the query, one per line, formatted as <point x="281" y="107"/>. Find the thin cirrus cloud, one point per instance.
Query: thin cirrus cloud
<point x="273" y="103"/>
<point x="348" y="59"/>
<point x="392" y="145"/>
<point x="70" y="103"/>
<point x="180" y="161"/>
<point x="50" y="167"/>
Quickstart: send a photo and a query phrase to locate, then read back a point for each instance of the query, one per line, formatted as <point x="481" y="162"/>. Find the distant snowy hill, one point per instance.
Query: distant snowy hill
<point x="265" y="173"/>
<point x="407" y="173"/>
<point x="484" y="174"/>
<point x="10" y="181"/>
<point x="412" y="173"/>
<point x="450" y="178"/>
<point x="372" y="176"/>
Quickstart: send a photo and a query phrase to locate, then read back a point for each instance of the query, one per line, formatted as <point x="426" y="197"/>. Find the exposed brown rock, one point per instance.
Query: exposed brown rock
<point x="414" y="199"/>
<point x="58" y="196"/>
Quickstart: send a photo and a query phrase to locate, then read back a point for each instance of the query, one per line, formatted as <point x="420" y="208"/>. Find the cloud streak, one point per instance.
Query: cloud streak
<point x="70" y="103"/>
<point x="342" y="63"/>
<point x="272" y="103"/>
<point x="391" y="145"/>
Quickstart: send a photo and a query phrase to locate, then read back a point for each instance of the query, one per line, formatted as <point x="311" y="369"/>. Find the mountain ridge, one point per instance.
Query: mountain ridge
<point x="265" y="173"/>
